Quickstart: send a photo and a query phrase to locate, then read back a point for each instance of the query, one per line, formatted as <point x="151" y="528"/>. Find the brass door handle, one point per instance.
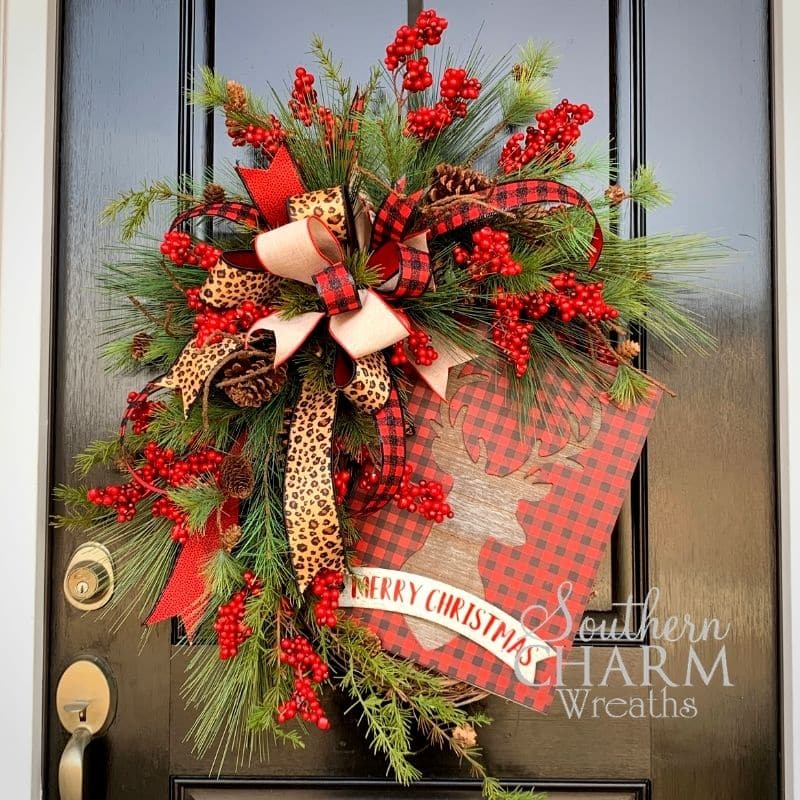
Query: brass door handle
<point x="86" y="703"/>
<point x="70" y="768"/>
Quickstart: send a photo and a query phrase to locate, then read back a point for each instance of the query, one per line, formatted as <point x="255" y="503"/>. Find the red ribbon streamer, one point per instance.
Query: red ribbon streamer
<point x="186" y="593"/>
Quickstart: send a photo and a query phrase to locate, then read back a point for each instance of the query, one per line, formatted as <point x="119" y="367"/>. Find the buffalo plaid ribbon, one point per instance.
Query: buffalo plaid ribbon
<point x="514" y="195"/>
<point x="391" y="433"/>
<point x="240" y="213"/>
<point x="413" y="272"/>
<point x="337" y="289"/>
<point x="393" y="217"/>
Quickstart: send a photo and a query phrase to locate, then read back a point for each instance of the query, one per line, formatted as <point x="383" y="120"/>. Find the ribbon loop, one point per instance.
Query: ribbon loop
<point x="337" y="289"/>
<point x="299" y="250"/>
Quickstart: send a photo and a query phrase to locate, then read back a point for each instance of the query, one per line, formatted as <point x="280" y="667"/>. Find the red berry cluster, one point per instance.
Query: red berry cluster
<point x="268" y="140"/>
<point x="179" y="249"/>
<point x="210" y="324"/>
<point x="164" y="507"/>
<point x="229" y="625"/>
<point x="427" y="30"/>
<point x="309" y="671"/>
<point x="164" y="464"/>
<point x="569" y="299"/>
<point x="327" y="587"/>
<point x="417" y="78"/>
<point x="368" y="476"/>
<point x="304" y="96"/>
<point x="341" y="484"/>
<point x="556" y="131"/>
<point x="509" y="332"/>
<point x="141" y="412"/>
<point x="305" y="107"/>
<point x="425" y="498"/>
<point x="159" y="464"/>
<point x="457" y="89"/>
<point x="419" y="343"/>
<point x="427" y="122"/>
<point x="122" y="497"/>
<point x="491" y="255"/>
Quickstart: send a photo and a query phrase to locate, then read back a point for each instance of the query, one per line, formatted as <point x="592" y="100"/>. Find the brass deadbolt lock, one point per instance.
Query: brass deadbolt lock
<point x="89" y="580"/>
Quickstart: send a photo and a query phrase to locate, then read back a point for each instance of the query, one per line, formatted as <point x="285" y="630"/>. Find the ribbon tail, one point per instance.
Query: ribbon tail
<point x="391" y="436"/>
<point x="309" y="500"/>
<point x="270" y="188"/>
<point x="289" y="333"/>
<point x="186" y="593"/>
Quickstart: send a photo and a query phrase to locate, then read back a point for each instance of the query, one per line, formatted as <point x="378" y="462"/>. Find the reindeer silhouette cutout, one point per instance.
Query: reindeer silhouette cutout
<point x="485" y="503"/>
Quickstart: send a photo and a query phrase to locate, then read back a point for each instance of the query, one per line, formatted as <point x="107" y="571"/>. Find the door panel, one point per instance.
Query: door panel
<point x="714" y="507"/>
<point x="700" y="525"/>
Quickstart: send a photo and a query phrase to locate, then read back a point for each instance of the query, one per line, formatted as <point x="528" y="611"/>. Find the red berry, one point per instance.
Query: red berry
<point x="425" y="498"/>
<point x="229" y="625"/>
<point x="491" y="255"/>
<point x="557" y="129"/>
<point x="178" y="247"/>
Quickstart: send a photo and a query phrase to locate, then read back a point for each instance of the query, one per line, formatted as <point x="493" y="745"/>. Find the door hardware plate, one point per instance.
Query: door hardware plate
<point x="86" y="696"/>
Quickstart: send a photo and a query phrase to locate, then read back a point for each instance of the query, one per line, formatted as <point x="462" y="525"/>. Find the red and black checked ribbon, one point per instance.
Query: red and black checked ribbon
<point x="514" y="195"/>
<point x="391" y="435"/>
<point x="394" y="215"/>
<point x="337" y="289"/>
<point x="240" y="213"/>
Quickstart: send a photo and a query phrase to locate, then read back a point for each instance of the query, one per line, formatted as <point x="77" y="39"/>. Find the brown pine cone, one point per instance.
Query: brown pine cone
<point x="449" y="180"/>
<point x="518" y="72"/>
<point x="236" y="477"/>
<point x="230" y="537"/>
<point x="213" y="193"/>
<point x="615" y="194"/>
<point x="628" y="349"/>
<point x="237" y="97"/>
<point x="140" y="344"/>
<point x="252" y="383"/>
<point x="465" y="735"/>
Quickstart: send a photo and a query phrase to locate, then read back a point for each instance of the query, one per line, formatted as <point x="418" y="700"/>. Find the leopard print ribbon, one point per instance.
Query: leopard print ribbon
<point x="309" y="497"/>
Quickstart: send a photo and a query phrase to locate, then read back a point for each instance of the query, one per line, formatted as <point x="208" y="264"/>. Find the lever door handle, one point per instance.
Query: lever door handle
<point x="70" y="768"/>
<point x="87" y="700"/>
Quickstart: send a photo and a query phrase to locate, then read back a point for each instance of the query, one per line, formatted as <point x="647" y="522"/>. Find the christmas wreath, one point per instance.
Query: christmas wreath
<point x="372" y="238"/>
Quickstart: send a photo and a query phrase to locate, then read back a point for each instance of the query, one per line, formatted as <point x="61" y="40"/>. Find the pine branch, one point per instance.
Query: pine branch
<point x="646" y="190"/>
<point x="199" y="501"/>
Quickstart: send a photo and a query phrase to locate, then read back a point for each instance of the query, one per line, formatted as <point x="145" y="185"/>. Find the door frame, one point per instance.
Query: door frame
<point x="29" y="89"/>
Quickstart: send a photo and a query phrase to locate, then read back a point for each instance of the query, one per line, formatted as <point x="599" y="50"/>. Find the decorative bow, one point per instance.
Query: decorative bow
<point x="303" y="243"/>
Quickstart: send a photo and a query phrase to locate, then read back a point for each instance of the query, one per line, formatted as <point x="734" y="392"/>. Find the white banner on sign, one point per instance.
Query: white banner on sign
<point x="455" y="609"/>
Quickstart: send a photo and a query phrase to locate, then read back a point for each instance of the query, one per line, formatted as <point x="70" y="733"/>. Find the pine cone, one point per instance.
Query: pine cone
<point x="230" y="537"/>
<point x="213" y="193"/>
<point x="249" y="390"/>
<point x="450" y="180"/>
<point x="140" y="344"/>
<point x="465" y="735"/>
<point x="236" y="477"/>
<point x="628" y="350"/>
<point x="615" y="194"/>
<point x="518" y="72"/>
<point x="237" y="97"/>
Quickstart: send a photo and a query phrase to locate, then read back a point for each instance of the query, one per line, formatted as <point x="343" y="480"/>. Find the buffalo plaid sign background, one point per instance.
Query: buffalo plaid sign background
<point x="565" y="530"/>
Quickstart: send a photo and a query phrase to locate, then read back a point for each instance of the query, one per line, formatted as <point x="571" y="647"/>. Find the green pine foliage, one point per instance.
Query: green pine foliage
<point x="395" y="702"/>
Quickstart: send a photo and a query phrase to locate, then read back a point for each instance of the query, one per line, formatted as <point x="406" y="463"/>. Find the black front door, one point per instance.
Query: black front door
<point x="680" y="84"/>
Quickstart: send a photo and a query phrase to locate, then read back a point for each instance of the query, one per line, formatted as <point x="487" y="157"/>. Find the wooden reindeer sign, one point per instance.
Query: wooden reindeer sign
<point x="488" y="596"/>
